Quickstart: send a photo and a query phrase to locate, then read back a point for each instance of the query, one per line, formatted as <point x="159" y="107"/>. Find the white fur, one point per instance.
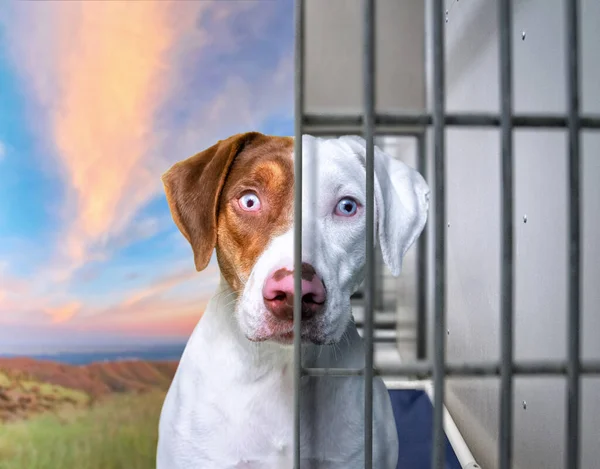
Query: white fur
<point x="231" y="402"/>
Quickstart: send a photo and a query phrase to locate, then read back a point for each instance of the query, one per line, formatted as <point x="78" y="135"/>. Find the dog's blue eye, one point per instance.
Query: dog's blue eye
<point x="346" y="207"/>
<point x="249" y="202"/>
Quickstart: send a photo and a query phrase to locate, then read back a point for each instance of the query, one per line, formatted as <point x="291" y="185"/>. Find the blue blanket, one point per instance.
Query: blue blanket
<point x="414" y="419"/>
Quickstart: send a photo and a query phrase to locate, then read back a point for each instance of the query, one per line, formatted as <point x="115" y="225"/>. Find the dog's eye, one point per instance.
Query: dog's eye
<point x="249" y="202"/>
<point x="346" y="207"/>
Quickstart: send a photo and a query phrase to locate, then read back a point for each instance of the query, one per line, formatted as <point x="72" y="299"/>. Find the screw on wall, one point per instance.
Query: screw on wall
<point x="450" y="9"/>
<point x="524" y="218"/>
<point x="524" y="405"/>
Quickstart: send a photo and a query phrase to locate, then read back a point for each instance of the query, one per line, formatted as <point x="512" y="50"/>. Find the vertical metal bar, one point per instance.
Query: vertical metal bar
<point x="507" y="254"/>
<point x="298" y="117"/>
<point x="369" y="134"/>
<point x="439" y="89"/>
<point x="573" y="351"/>
<point x="422" y="264"/>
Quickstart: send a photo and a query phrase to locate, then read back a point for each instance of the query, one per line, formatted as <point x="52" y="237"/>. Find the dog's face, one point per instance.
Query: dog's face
<point x="237" y="196"/>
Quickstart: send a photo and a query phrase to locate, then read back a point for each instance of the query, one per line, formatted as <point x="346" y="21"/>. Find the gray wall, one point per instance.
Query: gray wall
<point x="473" y="189"/>
<point x="333" y="51"/>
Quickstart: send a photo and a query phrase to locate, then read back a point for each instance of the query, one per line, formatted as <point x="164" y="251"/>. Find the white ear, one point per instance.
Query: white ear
<point x="402" y="203"/>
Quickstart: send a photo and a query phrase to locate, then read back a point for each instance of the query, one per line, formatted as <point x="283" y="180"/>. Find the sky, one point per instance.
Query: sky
<point x="97" y="100"/>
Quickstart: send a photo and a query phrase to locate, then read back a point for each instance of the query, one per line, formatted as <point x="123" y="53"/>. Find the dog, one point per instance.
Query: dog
<point x="231" y="402"/>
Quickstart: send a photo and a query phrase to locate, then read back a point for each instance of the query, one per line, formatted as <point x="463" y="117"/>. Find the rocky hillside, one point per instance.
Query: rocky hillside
<point x="29" y="386"/>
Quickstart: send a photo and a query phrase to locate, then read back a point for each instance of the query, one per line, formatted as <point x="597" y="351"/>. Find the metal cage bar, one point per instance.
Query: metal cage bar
<point x="421" y="316"/>
<point x="507" y="251"/>
<point x="298" y="110"/>
<point x="424" y="369"/>
<point x="369" y="134"/>
<point x="439" y="311"/>
<point x="574" y="285"/>
<point x="352" y="123"/>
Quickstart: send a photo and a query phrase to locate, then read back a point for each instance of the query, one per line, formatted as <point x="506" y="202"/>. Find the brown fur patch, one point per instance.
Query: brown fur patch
<point x="202" y="192"/>
<point x="308" y="273"/>
<point x="265" y="167"/>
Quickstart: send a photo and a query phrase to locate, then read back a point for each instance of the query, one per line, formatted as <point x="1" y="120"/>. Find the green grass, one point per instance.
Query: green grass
<point x="4" y="380"/>
<point x="46" y="389"/>
<point x="119" y="433"/>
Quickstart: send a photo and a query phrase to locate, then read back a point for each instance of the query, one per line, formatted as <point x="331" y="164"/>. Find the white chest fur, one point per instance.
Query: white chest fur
<point x="231" y="406"/>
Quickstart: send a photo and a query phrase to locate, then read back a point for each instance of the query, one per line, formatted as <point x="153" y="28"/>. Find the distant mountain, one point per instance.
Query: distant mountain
<point x="29" y="385"/>
<point x="168" y="352"/>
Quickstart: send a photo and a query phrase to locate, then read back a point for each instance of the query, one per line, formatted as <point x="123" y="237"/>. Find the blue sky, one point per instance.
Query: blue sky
<point x="97" y="100"/>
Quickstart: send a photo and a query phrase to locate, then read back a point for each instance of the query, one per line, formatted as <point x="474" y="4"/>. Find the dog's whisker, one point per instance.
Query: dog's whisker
<point x="228" y="296"/>
<point x="347" y="337"/>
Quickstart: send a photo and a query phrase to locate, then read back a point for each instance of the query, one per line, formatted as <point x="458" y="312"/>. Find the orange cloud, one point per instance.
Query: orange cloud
<point x="63" y="313"/>
<point x="160" y="318"/>
<point x="112" y="80"/>
<point x="153" y="316"/>
<point x="149" y="311"/>
<point x="101" y="71"/>
<point x="169" y="326"/>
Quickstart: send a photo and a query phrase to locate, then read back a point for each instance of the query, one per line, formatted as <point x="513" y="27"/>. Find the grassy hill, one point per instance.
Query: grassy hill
<point x="96" y="416"/>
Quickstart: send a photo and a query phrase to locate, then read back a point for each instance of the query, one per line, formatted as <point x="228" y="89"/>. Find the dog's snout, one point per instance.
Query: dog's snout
<point x="278" y="293"/>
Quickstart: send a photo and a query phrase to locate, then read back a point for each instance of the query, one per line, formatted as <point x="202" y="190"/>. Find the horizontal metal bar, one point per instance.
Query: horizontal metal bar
<point x="313" y="123"/>
<point x="333" y="371"/>
<point x="390" y="340"/>
<point x="388" y="131"/>
<point x="384" y="324"/>
<point x="466" y="370"/>
<point x="380" y="325"/>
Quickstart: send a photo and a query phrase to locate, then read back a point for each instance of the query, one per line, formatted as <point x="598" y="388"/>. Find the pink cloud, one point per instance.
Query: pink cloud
<point x="145" y="311"/>
<point x="150" y="310"/>
<point x="64" y="312"/>
<point x="169" y="282"/>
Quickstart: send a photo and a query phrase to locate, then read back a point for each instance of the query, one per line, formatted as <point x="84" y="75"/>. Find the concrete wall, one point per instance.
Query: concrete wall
<point x="473" y="249"/>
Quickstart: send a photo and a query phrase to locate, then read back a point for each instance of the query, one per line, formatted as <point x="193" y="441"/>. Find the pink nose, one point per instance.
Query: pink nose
<point x="278" y="293"/>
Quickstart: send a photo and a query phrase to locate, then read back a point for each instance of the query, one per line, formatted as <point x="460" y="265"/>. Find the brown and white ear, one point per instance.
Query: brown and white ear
<point x="402" y="203"/>
<point x="193" y="187"/>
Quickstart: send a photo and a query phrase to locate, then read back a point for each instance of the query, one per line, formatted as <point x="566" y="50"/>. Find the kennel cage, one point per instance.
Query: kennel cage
<point x="428" y="120"/>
